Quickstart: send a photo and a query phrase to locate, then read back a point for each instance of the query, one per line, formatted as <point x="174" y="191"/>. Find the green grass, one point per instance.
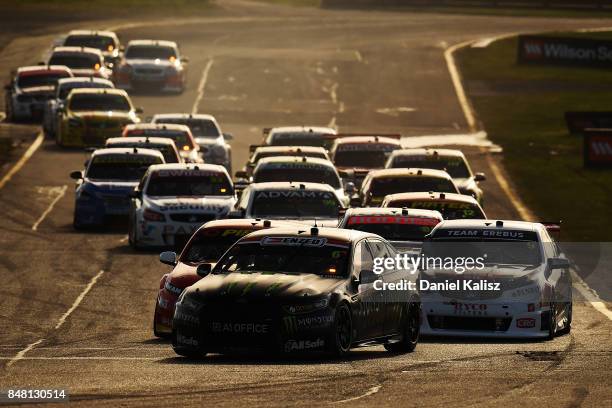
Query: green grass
<point x="526" y="119"/>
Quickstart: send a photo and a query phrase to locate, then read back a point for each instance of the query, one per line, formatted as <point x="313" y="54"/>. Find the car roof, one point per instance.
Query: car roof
<point x="290" y="185"/>
<point x="338" y="234"/>
<point x="367" y="140"/>
<point x="245" y="223"/>
<point x="189" y="166"/>
<point x="161" y="43"/>
<point x="84" y="80"/>
<point x="158" y="126"/>
<point x="197" y="116"/>
<point x="428" y="152"/>
<point x="76" y="50"/>
<point x="102" y="33"/>
<point x="432" y="196"/>
<point x="140" y="139"/>
<point x="42" y="68"/>
<point x="315" y="130"/>
<point x="126" y="150"/>
<point x="294" y="159"/>
<point x="489" y="224"/>
<point x="101" y="91"/>
<point x="406" y="212"/>
<point x="296" y="149"/>
<point x="408" y="172"/>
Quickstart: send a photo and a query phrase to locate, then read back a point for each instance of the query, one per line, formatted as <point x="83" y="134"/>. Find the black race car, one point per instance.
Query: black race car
<point x="295" y="289"/>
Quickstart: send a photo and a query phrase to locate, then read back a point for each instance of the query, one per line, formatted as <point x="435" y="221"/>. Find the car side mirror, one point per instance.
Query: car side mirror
<point x="355" y="201"/>
<point x="139" y="110"/>
<point x="349" y="187"/>
<point x="558" y="263"/>
<point x="241" y="174"/>
<point x="367" y="276"/>
<point x="168" y="258"/>
<point x="228" y="136"/>
<point x="480" y="177"/>
<point x="204" y="269"/>
<point x="41" y="63"/>
<point x="135" y="194"/>
<point x="185" y="59"/>
<point x="76" y="175"/>
<point x="236" y="214"/>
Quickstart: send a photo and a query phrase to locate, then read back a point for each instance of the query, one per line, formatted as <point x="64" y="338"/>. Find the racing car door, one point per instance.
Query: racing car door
<point x="369" y="316"/>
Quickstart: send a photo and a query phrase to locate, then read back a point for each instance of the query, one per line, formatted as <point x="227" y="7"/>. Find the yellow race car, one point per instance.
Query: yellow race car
<point x="90" y="116"/>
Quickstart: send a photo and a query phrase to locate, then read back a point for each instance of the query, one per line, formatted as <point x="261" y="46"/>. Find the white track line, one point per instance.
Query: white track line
<point x="78" y="300"/>
<point x="201" y="86"/>
<point x="371" y="391"/>
<point x="14" y="359"/>
<point x="23" y="160"/>
<point x="22" y="353"/>
<point x="50" y="207"/>
<point x="580" y="285"/>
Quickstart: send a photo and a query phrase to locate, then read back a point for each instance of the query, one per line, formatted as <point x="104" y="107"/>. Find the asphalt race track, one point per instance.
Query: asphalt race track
<point x="76" y="307"/>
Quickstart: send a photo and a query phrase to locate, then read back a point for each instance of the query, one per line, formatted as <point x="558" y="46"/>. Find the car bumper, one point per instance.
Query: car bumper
<point x="164" y="311"/>
<point x="163" y="234"/>
<point x="488" y="320"/>
<point x="88" y="137"/>
<point x="97" y="211"/>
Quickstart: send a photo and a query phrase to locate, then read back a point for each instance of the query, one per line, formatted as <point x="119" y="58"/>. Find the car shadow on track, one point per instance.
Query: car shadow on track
<point x="276" y="359"/>
<point x="477" y="340"/>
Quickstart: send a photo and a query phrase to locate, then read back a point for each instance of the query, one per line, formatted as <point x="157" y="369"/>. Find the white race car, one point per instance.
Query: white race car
<point x="64" y="86"/>
<point x="307" y="203"/>
<point x="213" y="144"/>
<point x="173" y="200"/>
<point x="517" y="285"/>
<point x="150" y="64"/>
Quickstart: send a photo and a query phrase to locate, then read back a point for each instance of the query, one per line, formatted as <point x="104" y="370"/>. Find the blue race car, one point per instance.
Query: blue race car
<point x="103" y="190"/>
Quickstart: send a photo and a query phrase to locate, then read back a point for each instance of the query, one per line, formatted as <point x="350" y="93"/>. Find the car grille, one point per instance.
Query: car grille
<point x="235" y="313"/>
<point x="149" y="71"/>
<point x="192" y="217"/>
<point x="499" y="324"/>
<point x="116" y="202"/>
<point x="103" y="125"/>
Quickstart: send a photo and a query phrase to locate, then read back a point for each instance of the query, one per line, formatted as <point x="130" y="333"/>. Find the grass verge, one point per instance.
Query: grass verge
<point x="522" y="109"/>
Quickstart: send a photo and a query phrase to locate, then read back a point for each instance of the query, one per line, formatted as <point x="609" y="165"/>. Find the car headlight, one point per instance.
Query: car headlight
<point x="315" y="305"/>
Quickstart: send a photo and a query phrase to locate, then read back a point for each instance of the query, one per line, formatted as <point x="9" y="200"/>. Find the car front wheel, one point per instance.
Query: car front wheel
<point x="410" y="331"/>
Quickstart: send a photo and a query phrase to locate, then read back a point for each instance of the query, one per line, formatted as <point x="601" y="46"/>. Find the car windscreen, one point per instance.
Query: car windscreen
<point x="65" y="89"/>
<point x="188" y="183"/>
<point x="181" y="139"/>
<point x="391" y="185"/>
<point x="295" y="204"/>
<point x="208" y="244"/>
<point x="29" y="81"/>
<point x="298" y="139"/>
<point x="262" y="155"/>
<point x="455" y="166"/>
<point x="393" y="228"/>
<point x="371" y="159"/>
<point x="166" y="150"/>
<point x="76" y="60"/>
<point x="99" y="102"/>
<point x="297" y="173"/>
<point x="199" y="127"/>
<point x="492" y="250"/>
<point x="450" y="210"/>
<point x="149" y="52"/>
<point x="99" y="42"/>
<point x="128" y="167"/>
<point x="287" y="255"/>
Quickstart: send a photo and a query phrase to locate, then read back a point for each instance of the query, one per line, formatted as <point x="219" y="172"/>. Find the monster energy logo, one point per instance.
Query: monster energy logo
<point x="294" y="324"/>
<point x="290" y="323"/>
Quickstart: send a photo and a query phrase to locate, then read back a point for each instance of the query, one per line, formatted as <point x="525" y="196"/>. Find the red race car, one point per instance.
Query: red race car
<point x="206" y="245"/>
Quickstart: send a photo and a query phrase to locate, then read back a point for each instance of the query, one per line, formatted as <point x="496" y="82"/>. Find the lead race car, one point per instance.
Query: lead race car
<point x="522" y="288"/>
<point x="173" y="200"/>
<point x="289" y="290"/>
<point x="207" y="244"/>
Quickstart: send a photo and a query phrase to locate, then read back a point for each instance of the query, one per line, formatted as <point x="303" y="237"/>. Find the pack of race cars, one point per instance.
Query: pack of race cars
<point x="281" y="258"/>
